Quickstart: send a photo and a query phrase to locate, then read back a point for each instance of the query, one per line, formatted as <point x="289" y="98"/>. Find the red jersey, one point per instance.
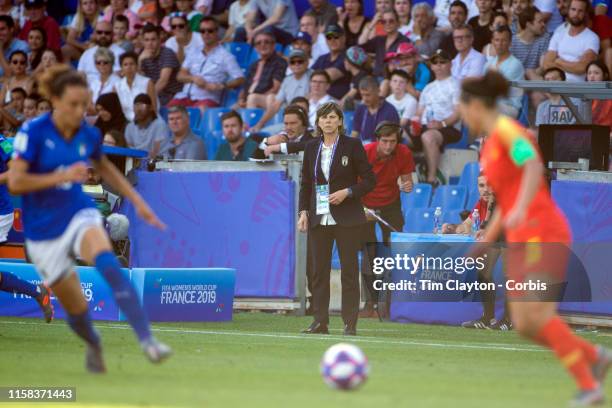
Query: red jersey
<point x="387" y="172"/>
<point x="505" y="151"/>
<point x="483" y="207"/>
<point x="48" y="24"/>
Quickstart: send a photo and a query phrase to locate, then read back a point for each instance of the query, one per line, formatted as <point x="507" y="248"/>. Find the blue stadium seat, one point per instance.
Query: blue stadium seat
<point x="212" y="120"/>
<point x="212" y="141"/>
<point x="469" y="179"/>
<point x="277" y="119"/>
<point x="449" y="197"/>
<point x="230" y="97"/>
<point x="419" y="197"/>
<point x="523" y="115"/>
<point x="452" y="216"/>
<point x="163" y="113"/>
<point x="195" y="114"/>
<point x="348" y="121"/>
<point x="242" y="52"/>
<point x="419" y="220"/>
<point x="461" y="143"/>
<point x="251" y="116"/>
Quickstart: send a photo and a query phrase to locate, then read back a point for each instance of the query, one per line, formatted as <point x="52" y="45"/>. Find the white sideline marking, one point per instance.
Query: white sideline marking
<point x="376" y="340"/>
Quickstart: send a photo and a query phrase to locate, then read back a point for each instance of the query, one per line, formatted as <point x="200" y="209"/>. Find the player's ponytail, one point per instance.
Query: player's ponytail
<point x="487" y="88"/>
<point x="54" y="80"/>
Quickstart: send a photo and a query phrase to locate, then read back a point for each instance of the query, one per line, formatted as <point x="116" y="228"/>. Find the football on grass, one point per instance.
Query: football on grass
<point x="344" y="366"/>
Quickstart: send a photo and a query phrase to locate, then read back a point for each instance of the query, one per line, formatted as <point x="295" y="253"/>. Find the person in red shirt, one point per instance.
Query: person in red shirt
<point x="35" y="10"/>
<point x="391" y="161"/>
<point x="535" y="229"/>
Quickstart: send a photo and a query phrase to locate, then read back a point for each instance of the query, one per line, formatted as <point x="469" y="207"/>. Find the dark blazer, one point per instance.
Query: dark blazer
<point x="349" y="168"/>
<point x="300" y="145"/>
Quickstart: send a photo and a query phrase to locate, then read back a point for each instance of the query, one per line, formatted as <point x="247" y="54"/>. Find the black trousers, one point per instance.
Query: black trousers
<point x="348" y="240"/>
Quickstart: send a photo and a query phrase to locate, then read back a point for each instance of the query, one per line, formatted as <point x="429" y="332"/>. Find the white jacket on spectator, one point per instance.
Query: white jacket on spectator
<point x="87" y="63"/>
<point x="127" y="94"/>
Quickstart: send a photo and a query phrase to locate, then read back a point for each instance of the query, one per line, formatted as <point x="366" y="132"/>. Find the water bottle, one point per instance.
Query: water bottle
<point x="475" y="221"/>
<point x="437" y="220"/>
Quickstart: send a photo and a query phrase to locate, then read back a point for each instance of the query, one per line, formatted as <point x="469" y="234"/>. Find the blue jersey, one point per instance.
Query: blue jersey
<point x="6" y="150"/>
<point x="47" y="213"/>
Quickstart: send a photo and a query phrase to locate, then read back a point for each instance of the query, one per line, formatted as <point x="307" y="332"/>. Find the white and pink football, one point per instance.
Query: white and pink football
<point x="344" y="366"/>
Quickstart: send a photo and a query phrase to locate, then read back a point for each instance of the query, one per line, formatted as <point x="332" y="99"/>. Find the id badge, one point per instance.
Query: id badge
<point x="322" y="199"/>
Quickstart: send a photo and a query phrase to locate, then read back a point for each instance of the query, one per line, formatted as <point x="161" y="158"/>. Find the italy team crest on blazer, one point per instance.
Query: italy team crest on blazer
<point x="344" y="161"/>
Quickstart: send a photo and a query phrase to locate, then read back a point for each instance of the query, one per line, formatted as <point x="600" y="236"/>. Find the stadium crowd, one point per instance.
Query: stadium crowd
<point x="154" y="67"/>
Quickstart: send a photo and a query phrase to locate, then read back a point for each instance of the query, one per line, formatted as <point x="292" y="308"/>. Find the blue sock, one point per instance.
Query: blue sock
<point x="124" y="292"/>
<point x="11" y="283"/>
<point x="81" y="325"/>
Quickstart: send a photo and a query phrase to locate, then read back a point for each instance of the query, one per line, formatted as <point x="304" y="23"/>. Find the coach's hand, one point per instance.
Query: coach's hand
<point x="146" y="213"/>
<point x="338" y="197"/>
<point x="303" y="222"/>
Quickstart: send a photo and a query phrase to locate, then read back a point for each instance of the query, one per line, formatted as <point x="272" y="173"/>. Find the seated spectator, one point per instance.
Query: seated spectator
<point x="481" y="24"/>
<point x="531" y="43"/>
<point x="333" y="63"/>
<point x="120" y="7"/>
<point x="357" y="63"/>
<point x="265" y="75"/>
<point x="510" y="67"/>
<point x="18" y="77"/>
<point x="572" y="48"/>
<point x="280" y="18"/>
<point x="11" y="114"/>
<point x="457" y="17"/>
<point x="553" y="110"/>
<point x="208" y="72"/>
<point x="29" y="106"/>
<point x="182" y="143"/>
<point x="294" y="85"/>
<point x="110" y="114"/>
<point x="437" y="113"/>
<point x="303" y="103"/>
<point x="320" y="84"/>
<point x="484" y="205"/>
<point x="324" y="11"/>
<point x="133" y="84"/>
<point x="159" y="64"/>
<point x="106" y="81"/>
<point x="309" y="25"/>
<point x="236" y="147"/>
<point x="43" y="106"/>
<point x="303" y="42"/>
<point x="404" y="16"/>
<point x="37" y="39"/>
<point x="376" y="27"/>
<point x="373" y="110"/>
<point x="194" y="16"/>
<point x="9" y="43"/>
<point x="148" y="131"/>
<point x="442" y="12"/>
<point x="147" y="12"/>
<point x="183" y="42"/>
<point x="295" y="133"/>
<point x="48" y="60"/>
<point x="81" y="28"/>
<point x="38" y="18"/>
<point x="237" y="18"/>
<point x="601" y="109"/>
<point x="116" y="139"/>
<point x="352" y="21"/>
<point x="402" y="101"/>
<point x="516" y="8"/>
<point x="425" y="36"/>
<point x="102" y="37"/>
<point x="120" y="30"/>
<point x="405" y="59"/>
<point x="381" y="45"/>
<point x="468" y="62"/>
<point x="500" y="19"/>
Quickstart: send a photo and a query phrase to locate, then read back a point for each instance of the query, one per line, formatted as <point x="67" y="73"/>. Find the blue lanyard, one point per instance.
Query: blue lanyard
<point x="331" y="160"/>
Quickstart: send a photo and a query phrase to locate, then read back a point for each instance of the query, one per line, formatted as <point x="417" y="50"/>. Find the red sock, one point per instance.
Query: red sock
<point x="589" y="350"/>
<point x="570" y="350"/>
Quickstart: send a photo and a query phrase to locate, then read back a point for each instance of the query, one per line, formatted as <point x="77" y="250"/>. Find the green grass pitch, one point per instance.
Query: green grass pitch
<point x="261" y="360"/>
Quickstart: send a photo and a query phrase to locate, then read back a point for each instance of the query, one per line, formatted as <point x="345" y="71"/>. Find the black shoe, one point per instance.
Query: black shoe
<point x="316" y="328"/>
<point x="350" y="330"/>
<point x="504" y="324"/>
<point x="481" y="323"/>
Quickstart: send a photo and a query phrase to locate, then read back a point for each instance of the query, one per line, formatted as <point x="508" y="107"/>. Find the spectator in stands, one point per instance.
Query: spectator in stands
<point x="601" y="109"/>
<point x="102" y="38"/>
<point x="442" y="12"/>
<point x="296" y="134"/>
<point x="376" y="27"/>
<point x="120" y="29"/>
<point x="516" y="8"/>
<point x="554" y="111"/>
<point x="8" y="43"/>
<point x="572" y="48"/>
<point x="182" y="144"/>
<point x="37" y="39"/>
<point x="81" y="28"/>
<point x="294" y="85"/>
<point x="303" y="42"/>
<point x="320" y="84"/>
<point x="183" y="42"/>
<point x="357" y="63"/>
<point x="468" y="62"/>
<point x="425" y="36"/>
<point x="208" y="72"/>
<point x="106" y="80"/>
<point x="302" y="103"/>
<point x="29" y="106"/>
<point x="457" y="17"/>
<point x="18" y="77"/>
<point x="437" y="112"/>
<point x="8" y="8"/>
<point x="35" y="10"/>
<point x="550" y="13"/>
<point x="381" y="45"/>
<point x="405" y="59"/>
<point x="43" y="106"/>
<point x="352" y="20"/>
<point x="265" y="75"/>
<point x="324" y="11"/>
<point x="500" y="19"/>
<point x="280" y="16"/>
<point x="47" y="61"/>
<point x="160" y="64"/>
<point x="481" y="24"/>
<point x="373" y="110"/>
<point x="510" y="67"/>
<point x="402" y="101"/>
<point x="133" y="84"/>
<point x="148" y="131"/>
<point x="404" y="16"/>
<point x="484" y="205"/>
<point x="308" y="24"/>
<point x="110" y="114"/>
<point x="531" y="43"/>
<point x="391" y="161"/>
<point x="333" y="62"/>
<point x="563" y="9"/>
<point x="236" y="147"/>
<point x="237" y="18"/>
<point x="120" y="7"/>
<point x="194" y="16"/>
<point x="11" y="114"/>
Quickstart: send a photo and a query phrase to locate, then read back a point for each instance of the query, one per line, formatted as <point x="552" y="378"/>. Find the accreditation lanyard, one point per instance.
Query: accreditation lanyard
<point x="322" y="191"/>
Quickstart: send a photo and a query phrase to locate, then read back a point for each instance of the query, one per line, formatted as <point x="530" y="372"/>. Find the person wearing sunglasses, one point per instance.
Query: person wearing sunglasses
<point x="183" y="42"/>
<point x="35" y="11"/>
<point x="333" y="62"/>
<point x="19" y="77"/>
<point x="106" y="81"/>
<point x="103" y="37"/>
<point x="120" y="7"/>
